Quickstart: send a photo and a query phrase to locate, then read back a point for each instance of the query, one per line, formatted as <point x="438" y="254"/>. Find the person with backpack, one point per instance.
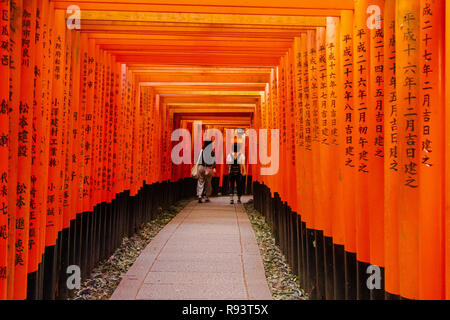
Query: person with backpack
<point x="206" y="170"/>
<point x="236" y="171"/>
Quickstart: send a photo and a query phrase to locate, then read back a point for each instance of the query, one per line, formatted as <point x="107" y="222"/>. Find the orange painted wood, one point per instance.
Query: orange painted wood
<point x="306" y="46"/>
<point x="68" y="144"/>
<point x="76" y="175"/>
<point x="362" y="150"/>
<point x="299" y="138"/>
<point x="407" y="73"/>
<point x="432" y="154"/>
<point x="24" y="152"/>
<point x="391" y="156"/>
<point x="14" y="100"/>
<point x="4" y="143"/>
<point x="322" y="131"/>
<point x="375" y="122"/>
<point x="336" y="138"/>
<point x="54" y="209"/>
<point x="447" y="155"/>
<point x="347" y="121"/>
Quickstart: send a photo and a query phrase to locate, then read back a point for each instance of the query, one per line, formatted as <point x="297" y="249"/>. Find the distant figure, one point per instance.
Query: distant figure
<point x="236" y="164"/>
<point x="206" y="169"/>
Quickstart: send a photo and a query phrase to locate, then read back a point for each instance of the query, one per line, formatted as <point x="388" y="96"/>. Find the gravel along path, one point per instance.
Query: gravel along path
<point x="107" y="275"/>
<point x="282" y="281"/>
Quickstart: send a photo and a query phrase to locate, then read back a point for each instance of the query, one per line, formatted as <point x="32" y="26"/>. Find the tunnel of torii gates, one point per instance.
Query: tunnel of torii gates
<point x="356" y="89"/>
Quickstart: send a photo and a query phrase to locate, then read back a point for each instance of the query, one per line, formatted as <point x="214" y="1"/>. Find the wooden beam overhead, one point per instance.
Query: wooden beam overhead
<point x="208" y="99"/>
<point x="295" y="8"/>
<point x="221" y="19"/>
<point x="203" y="77"/>
<point x="292" y="4"/>
<point x="196" y="60"/>
<point x="278" y="32"/>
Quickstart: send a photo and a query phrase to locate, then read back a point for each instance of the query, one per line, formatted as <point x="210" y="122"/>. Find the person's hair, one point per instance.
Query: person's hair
<point x="206" y="143"/>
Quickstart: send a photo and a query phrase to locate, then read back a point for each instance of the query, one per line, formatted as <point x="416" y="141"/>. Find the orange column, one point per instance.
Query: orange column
<point x="14" y="100"/>
<point x="54" y="184"/>
<point x="47" y="81"/>
<point x="347" y="121"/>
<point x="114" y="170"/>
<point x="276" y="124"/>
<point x="375" y="119"/>
<point x="363" y="151"/>
<point x="299" y="140"/>
<point x="291" y="173"/>
<point x="432" y="158"/>
<point x="87" y="91"/>
<point x="407" y="73"/>
<point x="24" y="149"/>
<point x="313" y="42"/>
<point x="336" y="137"/>
<point x="281" y="114"/>
<point x="70" y="110"/>
<point x="24" y="153"/>
<point x="307" y="41"/>
<point x="447" y="154"/>
<point x="4" y="142"/>
<point x="78" y="113"/>
<point x="37" y="163"/>
<point x="392" y="169"/>
<point x="323" y="136"/>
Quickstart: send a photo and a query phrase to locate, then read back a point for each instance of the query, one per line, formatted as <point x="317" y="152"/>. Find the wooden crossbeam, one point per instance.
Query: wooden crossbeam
<point x="236" y="19"/>
<point x="203" y="60"/>
<point x="203" y="78"/>
<point x="293" y="4"/>
<point x="296" y="8"/>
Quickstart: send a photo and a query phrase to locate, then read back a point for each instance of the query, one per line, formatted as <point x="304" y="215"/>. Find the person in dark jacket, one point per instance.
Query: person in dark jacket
<point x="236" y="172"/>
<point x="206" y="170"/>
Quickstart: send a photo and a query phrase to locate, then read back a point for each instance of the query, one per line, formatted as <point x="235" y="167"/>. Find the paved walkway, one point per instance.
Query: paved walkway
<point x="208" y="251"/>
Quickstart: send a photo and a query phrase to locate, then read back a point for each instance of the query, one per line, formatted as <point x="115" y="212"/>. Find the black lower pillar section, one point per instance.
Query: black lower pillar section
<point x="84" y="244"/>
<point x="73" y="241"/>
<point x="350" y="276"/>
<point x="304" y="256"/>
<point x="295" y="242"/>
<point x="339" y="271"/>
<point x="329" y="267"/>
<point x="64" y="263"/>
<point x="50" y="272"/>
<point x="41" y="280"/>
<point x="379" y="294"/>
<point x="78" y="240"/>
<point x="320" y="265"/>
<point x="33" y="285"/>
<point x="363" y="292"/>
<point x="311" y="275"/>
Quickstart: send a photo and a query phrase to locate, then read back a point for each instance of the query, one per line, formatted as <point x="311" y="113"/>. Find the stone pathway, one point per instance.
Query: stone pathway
<point x="207" y="252"/>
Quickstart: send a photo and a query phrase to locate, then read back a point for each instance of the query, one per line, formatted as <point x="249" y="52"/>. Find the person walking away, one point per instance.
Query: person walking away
<point x="236" y="172"/>
<point x="206" y="170"/>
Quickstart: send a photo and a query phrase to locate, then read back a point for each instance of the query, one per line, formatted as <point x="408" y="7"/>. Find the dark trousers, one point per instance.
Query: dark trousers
<point x="232" y="180"/>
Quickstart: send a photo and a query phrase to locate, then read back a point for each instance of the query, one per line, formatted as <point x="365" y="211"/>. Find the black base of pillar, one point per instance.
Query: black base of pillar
<point x="33" y="286"/>
<point x="339" y="271"/>
<point x="363" y="292"/>
<point x="50" y="274"/>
